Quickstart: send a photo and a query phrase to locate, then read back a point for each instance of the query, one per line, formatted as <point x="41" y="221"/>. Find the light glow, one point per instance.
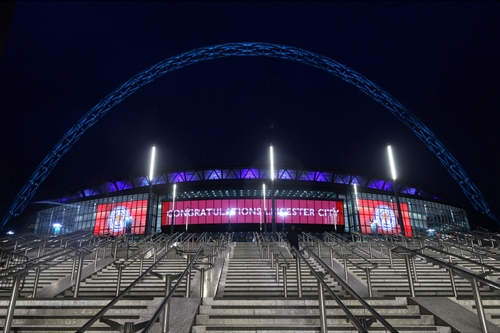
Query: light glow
<point x="356" y="195"/>
<point x="152" y="165"/>
<point x="271" y="156"/>
<point x="391" y="162"/>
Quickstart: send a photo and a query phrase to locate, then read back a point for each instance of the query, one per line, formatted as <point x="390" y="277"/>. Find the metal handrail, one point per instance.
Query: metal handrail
<point x="343" y="255"/>
<point x="450" y="254"/>
<point x="144" y="249"/>
<point x="472" y="250"/>
<point x="351" y="291"/>
<point x="323" y="285"/>
<point x="473" y="278"/>
<point x="101" y="313"/>
<point x="166" y="299"/>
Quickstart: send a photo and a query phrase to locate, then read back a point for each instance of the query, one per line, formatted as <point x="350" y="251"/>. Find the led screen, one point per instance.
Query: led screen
<point x="380" y="217"/>
<point x="121" y="217"/>
<point x="236" y="211"/>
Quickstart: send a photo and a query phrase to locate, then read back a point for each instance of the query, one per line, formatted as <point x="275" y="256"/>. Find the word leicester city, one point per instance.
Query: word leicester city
<point x="252" y="211"/>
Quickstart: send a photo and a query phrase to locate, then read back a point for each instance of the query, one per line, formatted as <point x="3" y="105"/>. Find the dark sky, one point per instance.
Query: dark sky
<point x="439" y="59"/>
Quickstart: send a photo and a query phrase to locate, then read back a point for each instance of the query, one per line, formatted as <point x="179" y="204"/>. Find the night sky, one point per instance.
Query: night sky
<point x="441" y="60"/>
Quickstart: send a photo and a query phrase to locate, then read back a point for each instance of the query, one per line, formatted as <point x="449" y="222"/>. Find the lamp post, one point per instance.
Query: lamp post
<point x="393" y="173"/>
<point x="186" y="212"/>
<point x="173" y="211"/>
<point x="149" y="222"/>
<point x="264" y="213"/>
<point x="273" y="207"/>
<point x="357" y="207"/>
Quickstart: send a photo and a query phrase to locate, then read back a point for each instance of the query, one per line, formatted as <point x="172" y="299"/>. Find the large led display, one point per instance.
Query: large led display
<point x="380" y="217"/>
<point x="289" y="211"/>
<point x="121" y="217"/>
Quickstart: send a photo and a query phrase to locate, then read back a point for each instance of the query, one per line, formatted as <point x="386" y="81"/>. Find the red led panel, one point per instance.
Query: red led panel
<point x="120" y="217"/>
<point x="252" y="211"/>
<point x="381" y="217"/>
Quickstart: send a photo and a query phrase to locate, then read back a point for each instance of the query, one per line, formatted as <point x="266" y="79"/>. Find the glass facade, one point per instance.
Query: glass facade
<point x="112" y="215"/>
<point x="377" y="213"/>
<point x="367" y="213"/>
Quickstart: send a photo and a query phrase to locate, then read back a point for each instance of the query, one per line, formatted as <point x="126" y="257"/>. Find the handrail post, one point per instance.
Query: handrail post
<point x="414" y="268"/>
<point x="119" y="279"/>
<point x="141" y="264"/>
<point x="73" y="268"/>
<point x="78" y="275"/>
<point x="96" y="257"/>
<point x="322" y="308"/>
<point x="481" y="260"/>
<point x="331" y="257"/>
<point x="299" y="276"/>
<point x="369" y="282"/>
<point x="319" y="248"/>
<point x="202" y="282"/>
<point x="452" y="280"/>
<point x="188" y="277"/>
<point x="370" y="247"/>
<point x="408" y="271"/>
<point x="479" y="306"/>
<point x="277" y="268"/>
<point x="390" y="257"/>
<point x="285" y="286"/>
<point x="35" y="284"/>
<point x="345" y="269"/>
<point x="12" y="304"/>
<point x="166" y="309"/>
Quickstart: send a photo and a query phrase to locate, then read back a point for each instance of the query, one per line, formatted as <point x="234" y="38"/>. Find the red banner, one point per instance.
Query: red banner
<point x="253" y="211"/>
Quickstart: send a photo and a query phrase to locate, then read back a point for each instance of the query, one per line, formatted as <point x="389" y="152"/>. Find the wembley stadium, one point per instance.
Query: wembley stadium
<point x="251" y="199"/>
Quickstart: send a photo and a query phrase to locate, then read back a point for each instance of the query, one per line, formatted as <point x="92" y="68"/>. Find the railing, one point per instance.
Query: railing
<point x="140" y="255"/>
<point x="366" y="266"/>
<point x="17" y="273"/>
<point x="278" y="261"/>
<point x="168" y="278"/>
<point x="322" y="285"/>
<point x="474" y="279"/>
<point x="351" y="291"/>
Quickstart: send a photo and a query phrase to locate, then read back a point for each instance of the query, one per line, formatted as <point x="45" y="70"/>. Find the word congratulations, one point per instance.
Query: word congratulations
<point x="252" y="211"/>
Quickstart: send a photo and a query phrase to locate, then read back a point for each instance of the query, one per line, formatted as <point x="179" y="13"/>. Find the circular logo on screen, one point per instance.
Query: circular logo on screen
<point x="385" y="217"/>
<point x="119" y="218"/>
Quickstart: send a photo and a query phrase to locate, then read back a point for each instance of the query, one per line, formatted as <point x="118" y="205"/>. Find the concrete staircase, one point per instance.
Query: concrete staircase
<point x="251" y="300"/>
<point x="62" y="312"/>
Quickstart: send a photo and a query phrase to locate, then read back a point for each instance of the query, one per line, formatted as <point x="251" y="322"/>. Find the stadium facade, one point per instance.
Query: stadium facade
<point x="241" y="199"/>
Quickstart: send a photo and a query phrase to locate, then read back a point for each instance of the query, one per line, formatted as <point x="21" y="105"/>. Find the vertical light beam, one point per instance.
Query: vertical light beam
<point x="391" y="162"/>
<point x="152" y="164"/>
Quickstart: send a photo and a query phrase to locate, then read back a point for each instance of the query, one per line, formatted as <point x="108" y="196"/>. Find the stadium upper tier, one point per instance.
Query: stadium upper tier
<point x="199" y="183"/>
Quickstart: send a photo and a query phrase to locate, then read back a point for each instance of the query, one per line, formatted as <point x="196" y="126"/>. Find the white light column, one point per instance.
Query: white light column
<point x="273" y="206"/>
<point x="357" y="207"/>
<point x="173" y="211"/>
<point x="394" y="176"/>
<point x="149" y="219"/>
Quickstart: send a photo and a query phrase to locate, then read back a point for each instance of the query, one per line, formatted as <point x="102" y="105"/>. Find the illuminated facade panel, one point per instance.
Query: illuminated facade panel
<point x="121" y="217"/>
<point x="239" y="211"/>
